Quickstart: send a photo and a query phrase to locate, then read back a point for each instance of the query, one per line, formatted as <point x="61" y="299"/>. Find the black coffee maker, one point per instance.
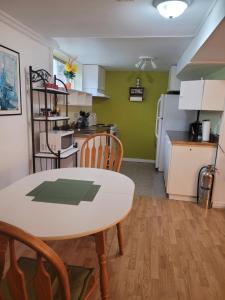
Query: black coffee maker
<point x="196" y="129"/>
<point x="82" y="121"/>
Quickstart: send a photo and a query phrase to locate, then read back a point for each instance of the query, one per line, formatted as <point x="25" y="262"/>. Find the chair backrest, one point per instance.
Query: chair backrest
<point x="41" y="281"/>
<point x="103" y="151"/>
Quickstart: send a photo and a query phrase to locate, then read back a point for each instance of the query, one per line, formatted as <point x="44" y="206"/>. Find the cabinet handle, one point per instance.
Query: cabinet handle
<point x="190" y="149"/>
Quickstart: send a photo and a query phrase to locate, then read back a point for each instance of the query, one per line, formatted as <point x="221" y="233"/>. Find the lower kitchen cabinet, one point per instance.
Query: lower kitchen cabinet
<point x="184" y="163"/>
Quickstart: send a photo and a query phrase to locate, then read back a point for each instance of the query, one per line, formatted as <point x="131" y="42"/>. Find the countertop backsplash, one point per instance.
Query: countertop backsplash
<point x="73" y="111"/>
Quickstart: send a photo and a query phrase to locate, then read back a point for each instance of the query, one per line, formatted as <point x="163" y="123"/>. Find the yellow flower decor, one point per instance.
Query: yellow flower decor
<point x="70" y="70"/>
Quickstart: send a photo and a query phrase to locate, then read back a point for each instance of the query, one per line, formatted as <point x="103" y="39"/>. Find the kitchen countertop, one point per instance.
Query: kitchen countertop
<point x="184" y="138"/>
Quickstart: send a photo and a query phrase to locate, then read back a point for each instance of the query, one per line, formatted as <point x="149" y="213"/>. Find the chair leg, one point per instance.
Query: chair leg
<point x="120" y="238"/>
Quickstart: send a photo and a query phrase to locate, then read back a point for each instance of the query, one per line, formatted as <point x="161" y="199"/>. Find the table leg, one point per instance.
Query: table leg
<point x="120" y="238"/>
<point x="101" y="252"/>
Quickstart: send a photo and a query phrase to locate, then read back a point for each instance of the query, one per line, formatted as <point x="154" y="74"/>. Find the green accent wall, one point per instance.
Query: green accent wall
<point x="135" y="120"/>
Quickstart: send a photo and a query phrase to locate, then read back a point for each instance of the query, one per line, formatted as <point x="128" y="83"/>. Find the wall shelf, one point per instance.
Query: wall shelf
<point x="64" y="155"/>
<point x="51" y="91"/>
<point x="59" y="118"/>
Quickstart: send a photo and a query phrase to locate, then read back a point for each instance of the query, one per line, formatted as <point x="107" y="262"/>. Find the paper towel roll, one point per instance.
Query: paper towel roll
<point x="205" y="130"/>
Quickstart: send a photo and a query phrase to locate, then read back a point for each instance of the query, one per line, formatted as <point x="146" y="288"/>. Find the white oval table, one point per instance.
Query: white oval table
<point x="50" y="221"/>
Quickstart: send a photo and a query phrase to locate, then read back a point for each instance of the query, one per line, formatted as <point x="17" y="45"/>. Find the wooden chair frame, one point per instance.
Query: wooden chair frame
<point x="42" y="281"/>
<point x="111" y="161"/>
<point x="93" y="157"/>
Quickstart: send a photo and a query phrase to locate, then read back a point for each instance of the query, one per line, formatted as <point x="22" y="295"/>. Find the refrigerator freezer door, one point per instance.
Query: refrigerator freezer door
<point x="176" y="119"/>
<point x="172" y="119"/>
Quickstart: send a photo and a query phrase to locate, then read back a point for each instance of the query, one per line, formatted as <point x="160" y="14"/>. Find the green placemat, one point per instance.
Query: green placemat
<point x="65" y="191"/>
<point x="38" y="189"/>
<point x="92" y="192"/>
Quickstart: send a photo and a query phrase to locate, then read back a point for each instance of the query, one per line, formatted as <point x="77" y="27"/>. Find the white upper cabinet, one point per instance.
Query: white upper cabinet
<point x="94" y="80"/>
<point x="202" y="95"/>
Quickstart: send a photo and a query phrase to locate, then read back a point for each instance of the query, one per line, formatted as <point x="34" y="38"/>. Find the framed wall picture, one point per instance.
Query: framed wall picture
<point x="10" y="86"/>
<point x="136" y="94"/>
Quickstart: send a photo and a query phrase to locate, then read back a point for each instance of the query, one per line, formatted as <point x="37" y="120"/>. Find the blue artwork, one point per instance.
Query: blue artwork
<point x="10" y="102"/>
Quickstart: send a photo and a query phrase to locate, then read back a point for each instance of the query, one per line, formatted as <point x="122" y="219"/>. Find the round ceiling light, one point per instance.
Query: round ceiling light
<point x="171" y="8"/>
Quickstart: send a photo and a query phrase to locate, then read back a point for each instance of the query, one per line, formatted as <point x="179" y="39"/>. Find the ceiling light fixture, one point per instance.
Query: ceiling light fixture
<point x="143" y="61"/>
<point x="171" y="8"/>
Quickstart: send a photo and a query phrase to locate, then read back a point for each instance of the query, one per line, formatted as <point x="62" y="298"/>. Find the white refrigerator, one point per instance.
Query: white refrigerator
<point x="169" y="117"/>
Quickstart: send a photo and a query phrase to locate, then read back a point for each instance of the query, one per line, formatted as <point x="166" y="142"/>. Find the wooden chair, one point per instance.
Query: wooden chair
<point x="104" y="151"/>
<point x="45" y="278"/>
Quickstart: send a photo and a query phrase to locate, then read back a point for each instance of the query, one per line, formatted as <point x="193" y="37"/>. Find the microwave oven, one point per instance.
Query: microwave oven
<point x="58" y="140"/>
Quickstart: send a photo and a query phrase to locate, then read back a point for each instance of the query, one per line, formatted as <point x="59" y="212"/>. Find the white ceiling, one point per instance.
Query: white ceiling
<point x="110" y="32"/>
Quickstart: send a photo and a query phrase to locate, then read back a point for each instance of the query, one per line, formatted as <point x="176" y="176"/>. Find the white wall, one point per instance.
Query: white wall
<point x="14" y="130"/>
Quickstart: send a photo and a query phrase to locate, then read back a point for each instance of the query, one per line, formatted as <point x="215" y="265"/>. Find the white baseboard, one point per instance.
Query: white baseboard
<point x="218" y="205"/>
<point x="182" y="198"/>
<point x="139" y="160"/>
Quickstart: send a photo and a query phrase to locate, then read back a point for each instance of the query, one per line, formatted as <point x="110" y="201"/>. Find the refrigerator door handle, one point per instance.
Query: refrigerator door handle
<point x="158" y="109"/>
<point x="157" y="127"/>
<point x="157" y="118"/>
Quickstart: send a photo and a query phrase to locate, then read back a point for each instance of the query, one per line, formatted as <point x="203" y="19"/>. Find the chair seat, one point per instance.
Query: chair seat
<point x="79" y="278"/>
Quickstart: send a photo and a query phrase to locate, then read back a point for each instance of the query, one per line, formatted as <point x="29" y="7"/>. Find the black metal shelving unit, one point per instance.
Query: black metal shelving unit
<point x="47" y="98"/>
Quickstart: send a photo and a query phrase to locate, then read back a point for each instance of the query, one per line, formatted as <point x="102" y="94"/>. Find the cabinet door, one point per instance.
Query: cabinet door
<point x="191" y="95"/>
<point x="184" y="166"/>
<point x="213" y="95"/>
<point x="101" y="79"/>
<point x="90" y="76"/>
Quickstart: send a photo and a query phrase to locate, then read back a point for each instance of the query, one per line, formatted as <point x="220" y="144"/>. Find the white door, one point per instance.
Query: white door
<point x="185" y="163"/>
<point x="158" y="128"/>
<point x="213" y="95"/>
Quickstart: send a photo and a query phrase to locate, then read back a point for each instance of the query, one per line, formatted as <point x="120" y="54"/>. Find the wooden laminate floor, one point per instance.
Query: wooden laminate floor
<point x="173" y="250"/>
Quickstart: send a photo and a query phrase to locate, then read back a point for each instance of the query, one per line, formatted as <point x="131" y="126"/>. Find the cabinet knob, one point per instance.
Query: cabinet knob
<point x="190" y="149"/>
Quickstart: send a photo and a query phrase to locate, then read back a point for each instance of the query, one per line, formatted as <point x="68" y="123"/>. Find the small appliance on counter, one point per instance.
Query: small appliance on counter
<point x="92" y="119"/>
<point x="205" y="130"/>
<point x="82" y="121"/>
<point x="196" y="129"/>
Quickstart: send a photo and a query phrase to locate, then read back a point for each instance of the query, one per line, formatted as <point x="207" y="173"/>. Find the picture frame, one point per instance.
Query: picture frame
<point x="10" y="84"/>
<point x="136" y="94"/>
